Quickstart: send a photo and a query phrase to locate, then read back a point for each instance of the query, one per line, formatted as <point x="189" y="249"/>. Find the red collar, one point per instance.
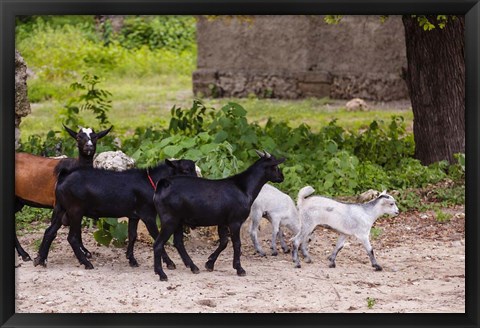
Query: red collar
<point x="151" y="180"/>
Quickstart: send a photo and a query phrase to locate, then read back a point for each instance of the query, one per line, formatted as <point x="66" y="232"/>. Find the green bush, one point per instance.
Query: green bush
<point x="158" y="32"/>
<point x="334" y="161"/>
<point x="58" y="49"/>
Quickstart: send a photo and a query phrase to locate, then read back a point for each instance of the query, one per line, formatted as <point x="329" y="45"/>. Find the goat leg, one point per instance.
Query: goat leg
<point x="132" y="237"/>
<point x="296" y="244"/>
<point x="275" y="232"/>
<point x="338" y="247"/>
<point x="281" y="237"/>
<point x="180" y="246"/>
<point x="74" y="238"/>
<point x="153" y="231"/>
<point x="223" y="235"/>
<point x="256" y="217"/>
<point x="48" y="237"/>
<point x="159" y="247"/>
<point x="21" y="252"/>
<point x="369" y="249"/>
<point x="237" y="251"/>
<point x="85" y="251"/>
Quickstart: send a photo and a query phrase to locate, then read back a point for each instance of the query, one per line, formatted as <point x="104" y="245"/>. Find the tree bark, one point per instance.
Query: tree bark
<point x="436" y="84"/>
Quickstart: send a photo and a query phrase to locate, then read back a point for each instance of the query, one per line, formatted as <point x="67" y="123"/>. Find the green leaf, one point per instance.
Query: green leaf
<point x="172" y="151"/>
<point x="111" y="221"/>
<point x="193" y="154"/>
<point x="221" y="136"/>
<point x="328" y="184"/>
<point x="238" y="110"/>
<point x="187" y="143"/>
<point x="205" y="149"/>
<point x="102" y="237"/>
<point x="332" y="147"/>
<point x="119" y="231"/>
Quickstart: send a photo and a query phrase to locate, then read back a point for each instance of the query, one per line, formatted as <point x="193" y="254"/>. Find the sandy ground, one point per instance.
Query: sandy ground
<point x="423" y="261"/>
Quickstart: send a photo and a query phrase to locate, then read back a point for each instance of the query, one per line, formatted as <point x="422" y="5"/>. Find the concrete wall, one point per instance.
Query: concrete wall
<point x="299" y="56"/>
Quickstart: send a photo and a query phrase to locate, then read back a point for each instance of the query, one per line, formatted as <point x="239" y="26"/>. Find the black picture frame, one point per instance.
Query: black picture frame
<point x="11" y="8"/>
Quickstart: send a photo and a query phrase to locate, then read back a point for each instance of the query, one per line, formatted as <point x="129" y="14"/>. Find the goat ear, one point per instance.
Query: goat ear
<point x="259" y="153"/>
<point x="280" y="160"/>
<point x="72" y="133"/>
<point x="170" y="163"/>
<point x="103" y="133"/>
<point x="383" y="193"/>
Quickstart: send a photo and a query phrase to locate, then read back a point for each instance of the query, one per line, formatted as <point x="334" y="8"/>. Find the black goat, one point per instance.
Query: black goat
<point x="36" y="176"/>
<point x="99" y="193"/>
<point x="225" y="203"/>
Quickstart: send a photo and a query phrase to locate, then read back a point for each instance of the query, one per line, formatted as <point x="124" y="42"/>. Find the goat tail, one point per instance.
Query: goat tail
<point x="304" y="193"/>
<point x="64" y="167"/>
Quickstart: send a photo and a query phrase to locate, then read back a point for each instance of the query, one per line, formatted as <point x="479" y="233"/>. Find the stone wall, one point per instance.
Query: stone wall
<point x="300" y="56"/>
<point x="22" y="105"/>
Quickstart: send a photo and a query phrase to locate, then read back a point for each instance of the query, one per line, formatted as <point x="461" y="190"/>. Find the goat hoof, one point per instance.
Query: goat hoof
<point x="274" y="253"/>
<point x="377" y="267"/>
<point x="209" y="266"/>
<point x="195" y="269"/>
<point x="133" y="263"/>
<point x="241" y="272"/>
<point x="171" y="266"/>
<point x="298" y="266"/>
<point x="26" y="258"/>
<point x="163" y="277"/>
<point x="286" y="251"/>
<point x="332" y="265"/>
<point x="308" y="260"/>
<point x="38" y="261"/>
<point x="88" y="266"/>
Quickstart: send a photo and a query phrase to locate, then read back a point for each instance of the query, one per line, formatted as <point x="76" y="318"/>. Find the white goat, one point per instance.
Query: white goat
<point x="347" y="219"/>
<point x="279" y="209"/>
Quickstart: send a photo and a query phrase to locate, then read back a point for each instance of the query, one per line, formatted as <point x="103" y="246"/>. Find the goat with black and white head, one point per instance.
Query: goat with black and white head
<point x="346" y="219"/>
<point x="36" y="176"/>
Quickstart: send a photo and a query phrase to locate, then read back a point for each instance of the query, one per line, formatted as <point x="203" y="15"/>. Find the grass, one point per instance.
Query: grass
<point x="147" y="101"/>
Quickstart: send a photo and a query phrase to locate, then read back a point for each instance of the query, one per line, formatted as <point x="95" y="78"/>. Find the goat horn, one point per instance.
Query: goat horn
<point x="267" y="155"/>
<point x="259" y="153"/>
<point x="72" y="133"/>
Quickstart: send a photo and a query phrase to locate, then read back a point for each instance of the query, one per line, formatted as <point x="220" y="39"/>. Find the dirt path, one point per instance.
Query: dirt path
<point x="423" y="261"/>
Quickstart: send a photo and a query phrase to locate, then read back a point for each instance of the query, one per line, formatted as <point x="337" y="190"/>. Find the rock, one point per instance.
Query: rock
<point x="356" y="104"/>
<point x="113" y="160"/>
<point x="207" y="302"/>
<point x="367" y="196"/>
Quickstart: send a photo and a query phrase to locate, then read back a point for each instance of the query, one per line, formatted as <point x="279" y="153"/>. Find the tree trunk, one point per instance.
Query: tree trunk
<point x="436" y="84"/>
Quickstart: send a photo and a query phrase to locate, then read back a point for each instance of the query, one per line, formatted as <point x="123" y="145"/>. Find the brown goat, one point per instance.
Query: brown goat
<point x="36" y="177"/>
